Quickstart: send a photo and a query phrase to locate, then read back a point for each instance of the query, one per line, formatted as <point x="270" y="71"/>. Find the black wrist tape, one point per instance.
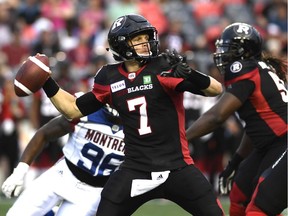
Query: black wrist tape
<point x="200" y="79"/>
<point x="50" y="87"/>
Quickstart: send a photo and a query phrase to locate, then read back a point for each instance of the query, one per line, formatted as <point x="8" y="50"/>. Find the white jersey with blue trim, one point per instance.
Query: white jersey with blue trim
<point x="96" y="145"/>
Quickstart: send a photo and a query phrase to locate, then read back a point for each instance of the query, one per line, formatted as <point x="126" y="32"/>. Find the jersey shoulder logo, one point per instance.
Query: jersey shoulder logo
<point x="236" y="67"/>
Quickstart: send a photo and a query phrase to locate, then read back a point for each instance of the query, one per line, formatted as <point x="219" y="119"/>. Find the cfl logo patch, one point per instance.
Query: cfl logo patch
<point x="236" y="67"/>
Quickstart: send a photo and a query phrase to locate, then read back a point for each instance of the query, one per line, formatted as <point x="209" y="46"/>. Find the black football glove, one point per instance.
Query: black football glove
<point x="180" y="69"/>
<point x="226" y="178"/>
<point x="173" y="57"/>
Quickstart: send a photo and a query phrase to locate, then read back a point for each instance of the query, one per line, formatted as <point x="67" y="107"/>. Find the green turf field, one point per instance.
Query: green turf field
<point x="152" y="208"/>
<point x="166" y="208"/>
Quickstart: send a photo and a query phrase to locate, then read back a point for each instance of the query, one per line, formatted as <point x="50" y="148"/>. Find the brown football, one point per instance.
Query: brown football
<point x="32" y="75"/>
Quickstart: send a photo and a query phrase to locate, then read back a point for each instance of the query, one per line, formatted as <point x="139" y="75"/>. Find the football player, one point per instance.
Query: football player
<point x="255" y="91"/>
<point x="95" y="149"/>
<point x="157" y="160"/>
<point x="274" y="175"/>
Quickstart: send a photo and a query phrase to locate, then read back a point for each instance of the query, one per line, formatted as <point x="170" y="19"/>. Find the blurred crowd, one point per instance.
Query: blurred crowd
<point x="73" y="33"/>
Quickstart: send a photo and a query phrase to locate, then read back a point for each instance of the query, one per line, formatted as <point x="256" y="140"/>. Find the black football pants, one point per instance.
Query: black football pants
<point x="187" y="187"/>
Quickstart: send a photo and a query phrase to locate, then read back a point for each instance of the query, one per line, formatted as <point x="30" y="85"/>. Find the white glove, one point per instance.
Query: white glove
<point x="13" y="185"/>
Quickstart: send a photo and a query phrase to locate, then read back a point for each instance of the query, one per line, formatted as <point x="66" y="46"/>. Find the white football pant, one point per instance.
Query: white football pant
<point x="55" y="185"/>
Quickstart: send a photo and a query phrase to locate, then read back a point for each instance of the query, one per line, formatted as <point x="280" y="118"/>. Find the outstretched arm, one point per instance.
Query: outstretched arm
<point x="214" y="117"/>
<point x="62" y="100"/>
<point x="214" y="88"/>
<point x="70" y="106"/>
<point x="54" y="129"/>
<point x="205" y="85"/>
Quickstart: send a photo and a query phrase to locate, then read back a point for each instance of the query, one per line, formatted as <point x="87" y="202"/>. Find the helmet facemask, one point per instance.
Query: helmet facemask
<point x="227" y="53"/>
<point x="128" y="52"/>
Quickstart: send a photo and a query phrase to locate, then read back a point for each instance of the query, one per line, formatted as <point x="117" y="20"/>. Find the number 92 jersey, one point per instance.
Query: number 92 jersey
<point x="264" y="100"/>
<point x="96" y="145"/>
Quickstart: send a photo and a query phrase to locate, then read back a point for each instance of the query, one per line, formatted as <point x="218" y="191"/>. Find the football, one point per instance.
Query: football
<point x="32" y="75"/>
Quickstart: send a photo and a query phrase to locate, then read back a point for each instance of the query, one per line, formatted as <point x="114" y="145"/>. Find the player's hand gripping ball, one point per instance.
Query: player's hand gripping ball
<point x="32" y="75"/>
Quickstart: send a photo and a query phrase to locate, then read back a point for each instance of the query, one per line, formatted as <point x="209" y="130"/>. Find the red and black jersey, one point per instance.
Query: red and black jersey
<point x="152" y="113"/>
<point x="264" y="99"/>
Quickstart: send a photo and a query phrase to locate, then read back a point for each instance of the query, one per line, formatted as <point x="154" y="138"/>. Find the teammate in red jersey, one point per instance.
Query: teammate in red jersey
<point x="147" y="90"/>
<point x="259" y="96"/>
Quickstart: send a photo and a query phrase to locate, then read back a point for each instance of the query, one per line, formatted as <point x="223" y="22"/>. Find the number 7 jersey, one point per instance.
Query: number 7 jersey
<point x="152" y="113"/>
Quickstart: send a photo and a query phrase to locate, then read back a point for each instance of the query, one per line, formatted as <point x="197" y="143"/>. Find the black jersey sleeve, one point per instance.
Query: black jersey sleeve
<point x="241" y="89"/>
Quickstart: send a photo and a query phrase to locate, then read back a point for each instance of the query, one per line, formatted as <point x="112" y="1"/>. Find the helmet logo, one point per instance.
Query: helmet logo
<point x="236" y="67"/>
<point x="243" y="29"/>
<point x="117" y="23"/>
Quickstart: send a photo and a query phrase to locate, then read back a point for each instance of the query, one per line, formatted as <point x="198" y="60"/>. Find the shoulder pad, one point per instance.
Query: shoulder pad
<point x="158" y="64"/>
<point x="105" y="74"/>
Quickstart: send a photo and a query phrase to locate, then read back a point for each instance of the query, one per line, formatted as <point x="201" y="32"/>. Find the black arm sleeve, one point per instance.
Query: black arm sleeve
<point x="188" y="86"/>
<point x="88" y="103"/>
<point x="200" y="79"/>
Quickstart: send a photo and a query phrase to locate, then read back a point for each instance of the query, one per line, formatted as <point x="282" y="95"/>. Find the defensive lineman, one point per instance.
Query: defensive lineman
<point x="94" y="150"/>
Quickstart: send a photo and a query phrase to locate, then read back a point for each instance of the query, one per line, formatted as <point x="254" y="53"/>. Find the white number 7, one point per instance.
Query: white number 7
<point x="141" y="102"/>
